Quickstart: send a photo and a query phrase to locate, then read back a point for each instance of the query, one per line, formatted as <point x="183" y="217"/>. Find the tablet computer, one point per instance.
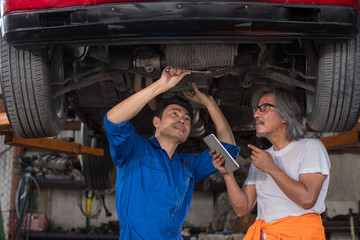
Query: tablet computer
<point x="214" y="143"/>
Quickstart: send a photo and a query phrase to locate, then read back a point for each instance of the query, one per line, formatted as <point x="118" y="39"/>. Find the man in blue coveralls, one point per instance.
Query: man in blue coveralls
<point x="154" y="185"/>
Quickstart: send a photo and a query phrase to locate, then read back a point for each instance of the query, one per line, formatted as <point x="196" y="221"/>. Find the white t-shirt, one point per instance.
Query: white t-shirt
<point x="303" y="156"/>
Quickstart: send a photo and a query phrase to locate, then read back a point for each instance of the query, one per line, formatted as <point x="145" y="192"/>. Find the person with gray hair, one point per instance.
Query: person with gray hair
<point x="288" y="181"/>
<point x="289" y="108"/>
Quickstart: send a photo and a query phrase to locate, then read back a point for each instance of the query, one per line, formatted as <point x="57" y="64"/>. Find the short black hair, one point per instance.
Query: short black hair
<point x="173" y="100"/>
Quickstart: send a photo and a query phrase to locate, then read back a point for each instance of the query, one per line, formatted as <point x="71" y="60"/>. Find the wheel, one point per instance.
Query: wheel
<point x="334" y="107"/>
<point x="99" y="172"/>
<point x="27" y="93"/>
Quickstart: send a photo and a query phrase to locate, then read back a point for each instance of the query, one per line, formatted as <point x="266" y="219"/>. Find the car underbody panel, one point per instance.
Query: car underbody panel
<point x="160" y="22"/>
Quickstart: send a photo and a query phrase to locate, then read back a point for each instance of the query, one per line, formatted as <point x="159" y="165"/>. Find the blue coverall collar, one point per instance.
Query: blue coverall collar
<point x="156" y="144"/>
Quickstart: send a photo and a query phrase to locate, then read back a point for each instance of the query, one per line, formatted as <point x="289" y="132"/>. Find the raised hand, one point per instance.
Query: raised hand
<point x="262" y="160"/>
<point x="171" y="76"/>
<point x="197" y="96"/>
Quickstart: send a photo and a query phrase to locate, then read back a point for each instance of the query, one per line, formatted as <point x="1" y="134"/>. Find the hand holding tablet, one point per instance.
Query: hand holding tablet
<point x="213" y="143"/>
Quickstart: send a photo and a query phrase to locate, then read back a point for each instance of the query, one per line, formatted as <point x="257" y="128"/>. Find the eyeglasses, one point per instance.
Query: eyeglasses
<point x="263" y="107"/>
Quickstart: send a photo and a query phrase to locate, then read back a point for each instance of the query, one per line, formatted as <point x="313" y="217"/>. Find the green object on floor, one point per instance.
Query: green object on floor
<point x="2" y="232"/>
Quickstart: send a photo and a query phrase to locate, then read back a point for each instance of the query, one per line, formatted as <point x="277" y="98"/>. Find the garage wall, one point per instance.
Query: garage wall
<point x="345" y="177"/>
<point x="62" y="205"/>
<point x="344" y="189"/>
<point x="344" y="193"/>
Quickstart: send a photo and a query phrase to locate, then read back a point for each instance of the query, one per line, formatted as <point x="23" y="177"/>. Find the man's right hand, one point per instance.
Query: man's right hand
<point x="131" y="106"/>
<point x="171" y="76"/>
<point x="218" y="161"/>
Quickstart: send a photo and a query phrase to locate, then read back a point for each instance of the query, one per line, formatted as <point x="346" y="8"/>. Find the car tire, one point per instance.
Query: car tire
<point x="334" y="107"/>
<point x="99" y="172"/>
<point x="27" y="93"/>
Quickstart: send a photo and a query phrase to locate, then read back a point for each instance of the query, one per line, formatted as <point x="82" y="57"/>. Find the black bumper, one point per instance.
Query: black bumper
<point x="164" y="22"/>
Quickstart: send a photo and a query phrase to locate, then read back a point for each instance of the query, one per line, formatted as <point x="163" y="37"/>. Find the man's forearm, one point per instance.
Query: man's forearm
<point x="304" y="192"/>
<point x="237" y="196"/>
<point x="131" y="106"/>
<point x="223" y="130"/>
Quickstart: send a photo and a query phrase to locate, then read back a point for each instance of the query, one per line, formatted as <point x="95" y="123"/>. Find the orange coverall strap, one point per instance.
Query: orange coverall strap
<point x="305" y="227"/>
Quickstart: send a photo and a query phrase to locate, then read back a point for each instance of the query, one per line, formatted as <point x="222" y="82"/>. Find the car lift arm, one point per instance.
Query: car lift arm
<point x="345" y="142"/>
<point x="44" y="143"/>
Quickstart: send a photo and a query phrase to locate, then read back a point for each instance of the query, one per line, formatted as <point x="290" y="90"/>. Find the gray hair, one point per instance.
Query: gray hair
<point x="289" y="108"/>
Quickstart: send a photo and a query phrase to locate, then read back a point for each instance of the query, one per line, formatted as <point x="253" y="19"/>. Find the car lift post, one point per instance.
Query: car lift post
<point x="2" y="231"/>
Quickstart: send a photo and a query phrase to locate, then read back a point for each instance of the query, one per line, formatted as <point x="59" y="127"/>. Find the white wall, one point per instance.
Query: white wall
<point x="61" y="206"/>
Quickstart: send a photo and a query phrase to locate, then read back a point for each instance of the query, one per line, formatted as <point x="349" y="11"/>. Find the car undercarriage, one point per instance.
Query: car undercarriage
<point x="87" y="59"/>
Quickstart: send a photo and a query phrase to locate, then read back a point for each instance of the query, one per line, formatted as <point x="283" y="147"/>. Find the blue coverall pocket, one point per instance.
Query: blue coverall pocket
<point x="188" y="177"/>
<point x="152" y="174"/>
